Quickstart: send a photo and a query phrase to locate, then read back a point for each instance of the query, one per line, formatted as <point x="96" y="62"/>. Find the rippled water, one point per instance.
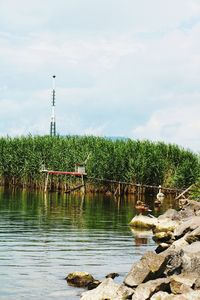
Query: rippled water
<point x="43" y="238"/>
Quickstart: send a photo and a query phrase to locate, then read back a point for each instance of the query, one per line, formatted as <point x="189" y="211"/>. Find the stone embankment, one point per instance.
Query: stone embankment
<point x="172" y="271"/>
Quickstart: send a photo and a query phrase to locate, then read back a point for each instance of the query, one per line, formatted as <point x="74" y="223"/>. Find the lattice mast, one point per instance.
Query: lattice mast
<point x="53" y="119"/>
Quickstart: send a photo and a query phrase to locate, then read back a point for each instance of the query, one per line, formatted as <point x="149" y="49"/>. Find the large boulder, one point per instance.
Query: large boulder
<point x="79" y="279"/>
<point x="166" y="224"/>
<point x="193" y="236"/>
<point x="161" y="296"/>
<point x="146" y="290"/>
<point x="171" y="214"/>
<point x="188" y="279"/>
<point x="197" y="284"/>
<point x="167" y="221"/>
<point x="108" y="289"/>
<point x="191" y="258"/>
<point x="145" y="222"/>
<point x="174" y="262"/>
<point x="191" y="204"/>
<point x="189" y="209"/>
<point x="150" y="266"/>
<point x="187" y="226"/>
<point x="178" y="287"/>
<point x="178" y="245"/>
<point x="193" y="295"/>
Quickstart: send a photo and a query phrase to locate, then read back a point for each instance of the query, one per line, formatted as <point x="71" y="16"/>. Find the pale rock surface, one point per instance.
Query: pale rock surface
<point x="191" y="258"/>
<point x="150" y="267"/>
<point x="108" y="289"/>
<point x="187" y="226"/>
<point x="194" y="295"/>
<point x="145" y="290"/>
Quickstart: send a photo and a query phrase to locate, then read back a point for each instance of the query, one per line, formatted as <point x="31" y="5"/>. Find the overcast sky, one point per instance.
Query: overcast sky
<point x="123" y="68"/>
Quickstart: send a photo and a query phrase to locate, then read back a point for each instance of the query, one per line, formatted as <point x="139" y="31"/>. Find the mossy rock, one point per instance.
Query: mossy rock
<point x="162" y="236"/>
<point x="143" y="222"/>
<point x="79" y="279"/>
<point x="165" y="225"/>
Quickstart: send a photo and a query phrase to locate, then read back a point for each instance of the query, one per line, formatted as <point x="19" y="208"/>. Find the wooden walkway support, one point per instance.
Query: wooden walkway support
<point x="120" y="189"/>
<point x="184" y="192"/>
<point x="78" y="187"/>
<point x="138" y="185"/>
<point x="77" y="174"/>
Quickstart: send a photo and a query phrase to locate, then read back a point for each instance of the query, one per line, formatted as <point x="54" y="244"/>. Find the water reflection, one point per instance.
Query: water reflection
<point x="141" y="237"/>
<point x="43" y="237"/>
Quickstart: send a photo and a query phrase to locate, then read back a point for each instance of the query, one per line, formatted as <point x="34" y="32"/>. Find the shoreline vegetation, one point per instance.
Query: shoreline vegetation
<point x="133" y="161"/>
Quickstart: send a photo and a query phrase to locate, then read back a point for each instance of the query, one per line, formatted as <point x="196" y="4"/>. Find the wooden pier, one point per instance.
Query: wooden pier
<point x="118" y="187"/>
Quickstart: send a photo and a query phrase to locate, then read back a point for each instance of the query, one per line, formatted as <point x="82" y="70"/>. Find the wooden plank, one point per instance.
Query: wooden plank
<point x="184" y="192"/>
<point x="134" y="184"/>
<point x="66" y="173"/>
<point x="74" y="188"/>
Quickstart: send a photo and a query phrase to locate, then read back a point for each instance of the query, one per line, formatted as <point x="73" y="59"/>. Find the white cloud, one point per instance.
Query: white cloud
<point x="94" y="16"/>
<point x="119" y="65"/>
<point x="175" y="125"/>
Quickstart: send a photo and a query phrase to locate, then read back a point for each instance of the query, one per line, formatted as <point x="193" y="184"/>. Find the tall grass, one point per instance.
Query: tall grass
<point x="134" y="161"/>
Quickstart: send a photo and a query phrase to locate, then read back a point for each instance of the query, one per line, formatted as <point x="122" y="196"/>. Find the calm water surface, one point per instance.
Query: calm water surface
<point x="43" y="238"/>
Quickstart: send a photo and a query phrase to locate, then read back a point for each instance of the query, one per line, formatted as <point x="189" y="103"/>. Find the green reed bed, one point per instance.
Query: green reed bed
<point x="145" y="162"/>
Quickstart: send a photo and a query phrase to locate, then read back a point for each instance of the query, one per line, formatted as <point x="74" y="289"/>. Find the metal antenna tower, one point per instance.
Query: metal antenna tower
<point x="53" y="119"/>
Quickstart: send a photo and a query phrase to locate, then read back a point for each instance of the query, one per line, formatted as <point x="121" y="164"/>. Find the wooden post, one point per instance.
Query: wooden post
<point x="46" y="182"/>
<point x="116" y="191"/>
<point x="126" y="189"/>
<point x="83" y="188"/>
<point x="139" y="192"/>
<point x="119" y="188"/>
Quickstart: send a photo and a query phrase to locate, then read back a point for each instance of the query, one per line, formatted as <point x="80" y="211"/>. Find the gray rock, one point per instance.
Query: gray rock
<point x="178" y="245"/>
<point x="187" y="213"/>
<point x="150" y="267"/>
<point x="193" y="248"/>
<point x="174" y="262"/>
<point x="124" y="292"/>
<point x="192" y="204"/>
<point x="187" y="279"/>
<point x="166" y="224"/>
<point x="146" y="290"/>
<point x="197" y="284"/>
<point x="194" y="295"/>
<point x="187" y="226"/>
<point x="178" y="287"/>
<point x="191" y="258"/>
<point x="189" y="209"/>
<point x="108" y="289"/>
<point x="171" y="214"/>
<point x="161" y="296"/>
<point x="193" y="236"/>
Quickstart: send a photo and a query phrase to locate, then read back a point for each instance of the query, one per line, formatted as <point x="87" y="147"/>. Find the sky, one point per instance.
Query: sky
<point x="127" y="68"/>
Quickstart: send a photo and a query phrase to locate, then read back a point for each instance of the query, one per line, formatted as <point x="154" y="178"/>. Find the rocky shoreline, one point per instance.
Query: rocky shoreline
<point x="172" y="271"/>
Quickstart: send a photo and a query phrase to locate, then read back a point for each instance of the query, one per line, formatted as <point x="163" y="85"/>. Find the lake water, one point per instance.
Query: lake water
<point x="45" y="237"/>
